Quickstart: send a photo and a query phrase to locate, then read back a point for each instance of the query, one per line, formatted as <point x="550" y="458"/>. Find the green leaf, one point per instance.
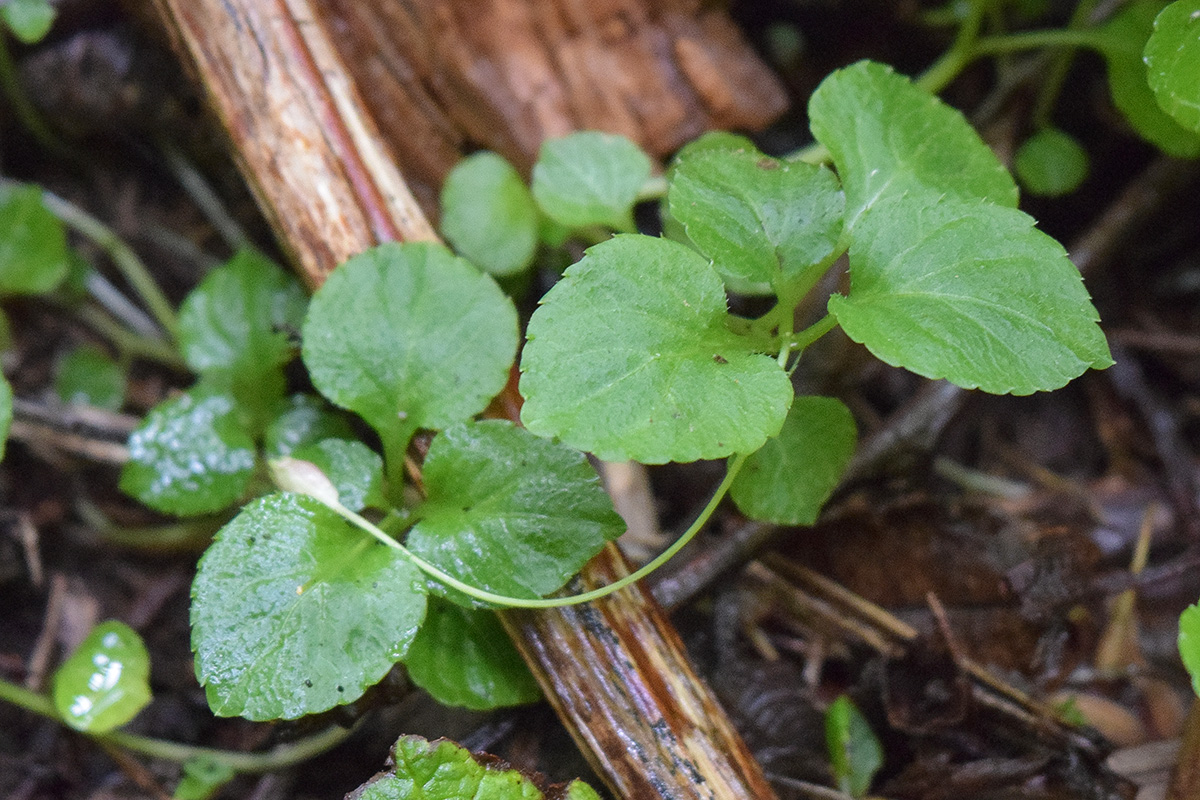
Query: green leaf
<point x="590" y="178"/>
<point x="1172" y="58"/>
<point x="1127" y="34"/>
<point x="1189" y="643"/>
<point x="883" y="130"/>
<point x="442" y="770"/>
<point x="306" y="419"/>
<point x="202" y="778"/>
<point x="408" y="336"/>
<point x="629" y="357"/>
<point x="791" y="477"/>
<point x="295" y="612"/>
<point x="509" y="512"/>
<point x="355" y="469"/>
<point x="463" y="657"/>
<point x="968" y="291"/>
<point x="89" y="377"/>
<point x="6" y="406"/>
<point x="759" y="219"/>
<point x="854" y="750"/>
<point x="235" y="329"/>
<point x="105" y="682"/>
<point x="190" y="455"/>
<point x="30" y="20"/>
<point x="488" y="214"/>
<point x="1051" y="163"/>
<point x="33" y="245"/>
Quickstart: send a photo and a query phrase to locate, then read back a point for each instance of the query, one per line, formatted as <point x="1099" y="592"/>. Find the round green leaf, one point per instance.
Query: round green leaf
<point x="881" y="129"/>
<point x="305" y="419"/>
<point x="590" y="178"/>
<point x="89" y="377"/>
<point x="408" y="336"/>
<point x="509" y="512"/>
<point x="190" y="455"/>
<point x="1127" y="35"/>
<point x="1189" y="643"/>
<point x="463" y="657"/>
<point x="354" y="469"/>
<point x="294" y="611"/>
<point x="29" y="20"/>
<point x="629" y="357"/>
<point x="1172" y="58"/>
<point x="968" y="291"/>
<point x="488" y="214"/>
<point x="33" y="245"/>
<point x="1051" y="163"/>
<point x="759" y="219"/>
<point x="443" y="770"/>
<point x="791" y="477"/>
<point x="105" y="681"/>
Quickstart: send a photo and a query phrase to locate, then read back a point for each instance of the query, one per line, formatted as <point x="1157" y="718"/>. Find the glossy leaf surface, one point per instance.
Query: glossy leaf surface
<point x="1172" y="58"/>
<point x="354" y="469"/>
<point x="104" y="683"/>
<point x="294" y="611"/>
<point x="509" y="512"/>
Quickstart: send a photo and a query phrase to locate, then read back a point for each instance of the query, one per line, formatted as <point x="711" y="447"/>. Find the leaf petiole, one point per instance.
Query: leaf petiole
<point x="735" y="466"/>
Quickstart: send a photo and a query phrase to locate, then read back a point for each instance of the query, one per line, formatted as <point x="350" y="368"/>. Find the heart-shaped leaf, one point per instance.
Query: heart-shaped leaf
<point x="295" y="612"/>
<point x="106" y="680"/>
<point x="409" y="336"/>
<point x="791" y="477"/>
<point x="354" y="469"/>
<point x="509" y="512"/>
<point x="629" y="357"/>
<point x="488" y="214"/>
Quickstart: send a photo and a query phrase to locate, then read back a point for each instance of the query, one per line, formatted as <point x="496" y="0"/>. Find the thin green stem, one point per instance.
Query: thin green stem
<point x="1057" y="73"/>
<point x="24" y="110"/>
<point x="1034" y="40"/>
<point x="278" y="757"/>
<point x="122" y="255"/>
<point x="130" y="344"/>
<point x="952" y="62"/>
<point x="735" y="466"/>
<point x="812" y="333"/>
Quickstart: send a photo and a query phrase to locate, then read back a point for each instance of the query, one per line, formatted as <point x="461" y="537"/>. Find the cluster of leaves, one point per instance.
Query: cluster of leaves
<point x="632" y="355"/>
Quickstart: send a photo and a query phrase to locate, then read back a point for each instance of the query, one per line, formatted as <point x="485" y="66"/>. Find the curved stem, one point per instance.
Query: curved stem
<point x="735" y="466"/>
<point x="283" y="755"/>
<point x="1033" y="40"/>
<point x="813" y="332"/>
<point x="952" y="62"/>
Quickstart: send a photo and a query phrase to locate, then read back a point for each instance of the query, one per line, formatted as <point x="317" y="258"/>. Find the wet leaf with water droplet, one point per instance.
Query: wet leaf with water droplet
<point x="105" y="682"/>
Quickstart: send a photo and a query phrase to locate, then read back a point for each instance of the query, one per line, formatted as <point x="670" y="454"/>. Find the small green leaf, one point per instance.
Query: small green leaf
<point x="1172" y="58"/>
<point x="968" y="291"/>
<point x="305" y="419"/>
<point x="488" y="214"/>
<point x="509" y="512"/>
<point x="463" y="657"/>
<point x="757" y="218"/>
<point x="442" y="770"/>
<point x="105" y="681"/>
<point x="30" y="20"/>
<point x="629" y="357"/>
<point x="6" y="407"/>
<point x="1127" y="34"/>
<point x="408" y="336"/>
<point x="1189" y="643"/>
<point x="87" y="376"/>
<point x="33" y="245"/>
<point x="590" y="178"/>
<point x="295" y="612"/>
<point x="355" y="469"/>
<point x="1051" y="163"/>
<point x="235" y="329"/>
<point x="202" y="778"/>
<point x="854" y="750"/>
<point x="791" y="477"/>
<point x="883" y="130"/>
<point x="190" y="455"/>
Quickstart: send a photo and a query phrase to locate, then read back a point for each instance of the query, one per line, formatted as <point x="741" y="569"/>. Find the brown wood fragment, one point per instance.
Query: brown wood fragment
<point x="507" y="74"/>
<point x="615" y="670"/>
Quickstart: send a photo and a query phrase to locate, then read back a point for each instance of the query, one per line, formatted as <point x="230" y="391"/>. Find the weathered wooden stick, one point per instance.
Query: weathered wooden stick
<point x="614" y="670"/>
